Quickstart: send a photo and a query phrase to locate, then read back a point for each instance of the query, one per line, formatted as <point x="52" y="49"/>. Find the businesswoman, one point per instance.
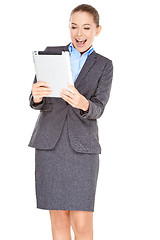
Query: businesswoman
<point x="65" y="136"/>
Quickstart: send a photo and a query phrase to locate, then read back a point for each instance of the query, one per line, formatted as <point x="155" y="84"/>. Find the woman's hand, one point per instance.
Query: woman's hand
<point x="39" y="90"/>
<point x="75" y="99"/>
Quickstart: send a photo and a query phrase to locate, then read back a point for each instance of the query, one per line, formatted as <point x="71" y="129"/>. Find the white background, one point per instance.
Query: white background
<point x="127" y="204"/>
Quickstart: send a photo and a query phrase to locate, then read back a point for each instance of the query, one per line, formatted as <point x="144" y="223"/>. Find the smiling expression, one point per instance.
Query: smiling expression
<point x="83" y="30"/>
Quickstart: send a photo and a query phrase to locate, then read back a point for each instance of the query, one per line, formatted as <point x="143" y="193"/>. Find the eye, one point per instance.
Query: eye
<point x="73" y="27"/>
<point x="86" y="28"/>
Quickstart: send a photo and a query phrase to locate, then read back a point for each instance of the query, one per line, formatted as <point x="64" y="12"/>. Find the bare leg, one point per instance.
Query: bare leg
<point x="60" y="224"/>
<point x="82" y="224"/>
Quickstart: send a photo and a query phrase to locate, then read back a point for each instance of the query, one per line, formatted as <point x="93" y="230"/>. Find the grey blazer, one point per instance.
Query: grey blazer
<point x="94" y="82"/>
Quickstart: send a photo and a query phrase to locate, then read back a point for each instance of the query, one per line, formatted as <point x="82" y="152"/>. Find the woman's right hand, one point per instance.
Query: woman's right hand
<point x="39" y="90"/>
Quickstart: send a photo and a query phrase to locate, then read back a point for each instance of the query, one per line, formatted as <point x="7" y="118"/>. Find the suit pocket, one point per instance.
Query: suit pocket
<point x="47" y="107"/>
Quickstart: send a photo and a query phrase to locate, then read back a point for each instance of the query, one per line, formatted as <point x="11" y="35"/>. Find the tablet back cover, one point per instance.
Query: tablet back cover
<point x="54" y="69"/>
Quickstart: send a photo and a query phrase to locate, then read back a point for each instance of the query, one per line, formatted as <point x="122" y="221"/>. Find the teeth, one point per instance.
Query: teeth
<point x="81" y="40"/>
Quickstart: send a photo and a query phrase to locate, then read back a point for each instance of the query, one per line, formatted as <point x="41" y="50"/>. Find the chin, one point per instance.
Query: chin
<point x="81" y="49"/>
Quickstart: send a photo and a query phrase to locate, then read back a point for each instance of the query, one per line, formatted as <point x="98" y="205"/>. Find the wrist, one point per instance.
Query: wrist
<point x="86" y="107"/>
<point x="37" y="100"/>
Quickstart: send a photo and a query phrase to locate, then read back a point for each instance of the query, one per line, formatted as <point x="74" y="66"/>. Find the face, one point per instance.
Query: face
<point x="83" y="30"/>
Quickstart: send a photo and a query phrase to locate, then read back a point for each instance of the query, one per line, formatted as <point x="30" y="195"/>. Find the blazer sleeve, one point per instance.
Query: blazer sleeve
<point x="98" y="102"/>
<point x="36" y="106"/>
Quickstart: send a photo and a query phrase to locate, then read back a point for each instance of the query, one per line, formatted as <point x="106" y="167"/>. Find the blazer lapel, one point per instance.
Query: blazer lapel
<point x="66" y="48"/>
<point x="86" y="67"/>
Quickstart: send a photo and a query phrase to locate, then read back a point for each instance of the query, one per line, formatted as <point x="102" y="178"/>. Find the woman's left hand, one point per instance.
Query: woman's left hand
<point x="75" y="99"/>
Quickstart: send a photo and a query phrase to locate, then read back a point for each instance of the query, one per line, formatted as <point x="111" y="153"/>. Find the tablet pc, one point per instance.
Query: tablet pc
<point x="54" y="68"/>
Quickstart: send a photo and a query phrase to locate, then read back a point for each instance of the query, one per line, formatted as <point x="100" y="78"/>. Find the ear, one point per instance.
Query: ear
<point x="98" y="30"/>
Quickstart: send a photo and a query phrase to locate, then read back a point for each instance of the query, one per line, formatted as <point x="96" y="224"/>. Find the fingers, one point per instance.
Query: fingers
<point x="72" y="87"/>
<point x="41" y="83"/>
<point x="44" y="94"/>
<point x="69" y="93"/>
<point x="65" y="91"/>
<point x="41" y="89"/>
<point x="67" y="99"/>
<point x="41" y="93"/>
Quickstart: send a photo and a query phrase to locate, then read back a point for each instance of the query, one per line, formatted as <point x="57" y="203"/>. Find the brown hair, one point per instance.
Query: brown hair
<point x="89" y="9"/>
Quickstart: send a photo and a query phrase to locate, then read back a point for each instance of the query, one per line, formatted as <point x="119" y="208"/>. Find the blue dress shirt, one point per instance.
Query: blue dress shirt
<point x="77" y="60"/>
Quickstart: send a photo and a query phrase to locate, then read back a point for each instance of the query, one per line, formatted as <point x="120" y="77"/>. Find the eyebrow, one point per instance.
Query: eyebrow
<point x="83" y="24"/>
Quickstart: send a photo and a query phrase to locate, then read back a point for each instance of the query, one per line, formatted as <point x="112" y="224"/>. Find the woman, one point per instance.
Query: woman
<point x="65" y="137"/>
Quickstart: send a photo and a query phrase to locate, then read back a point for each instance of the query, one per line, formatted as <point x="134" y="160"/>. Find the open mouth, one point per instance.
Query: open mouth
<point x="81" y="42"/>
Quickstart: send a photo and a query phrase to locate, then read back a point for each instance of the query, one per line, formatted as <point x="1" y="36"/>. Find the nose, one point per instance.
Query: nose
<point x="79" y="32"/>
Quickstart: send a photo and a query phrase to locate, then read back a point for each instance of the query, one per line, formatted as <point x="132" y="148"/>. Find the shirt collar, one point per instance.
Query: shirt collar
<point x="73" y="50"/>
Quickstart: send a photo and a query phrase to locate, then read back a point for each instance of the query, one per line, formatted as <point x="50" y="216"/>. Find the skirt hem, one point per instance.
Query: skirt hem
<point x="70" y="209"/>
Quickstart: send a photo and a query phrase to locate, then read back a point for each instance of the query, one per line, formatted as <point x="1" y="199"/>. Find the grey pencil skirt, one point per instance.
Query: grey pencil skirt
<point x="64" y="178"/>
